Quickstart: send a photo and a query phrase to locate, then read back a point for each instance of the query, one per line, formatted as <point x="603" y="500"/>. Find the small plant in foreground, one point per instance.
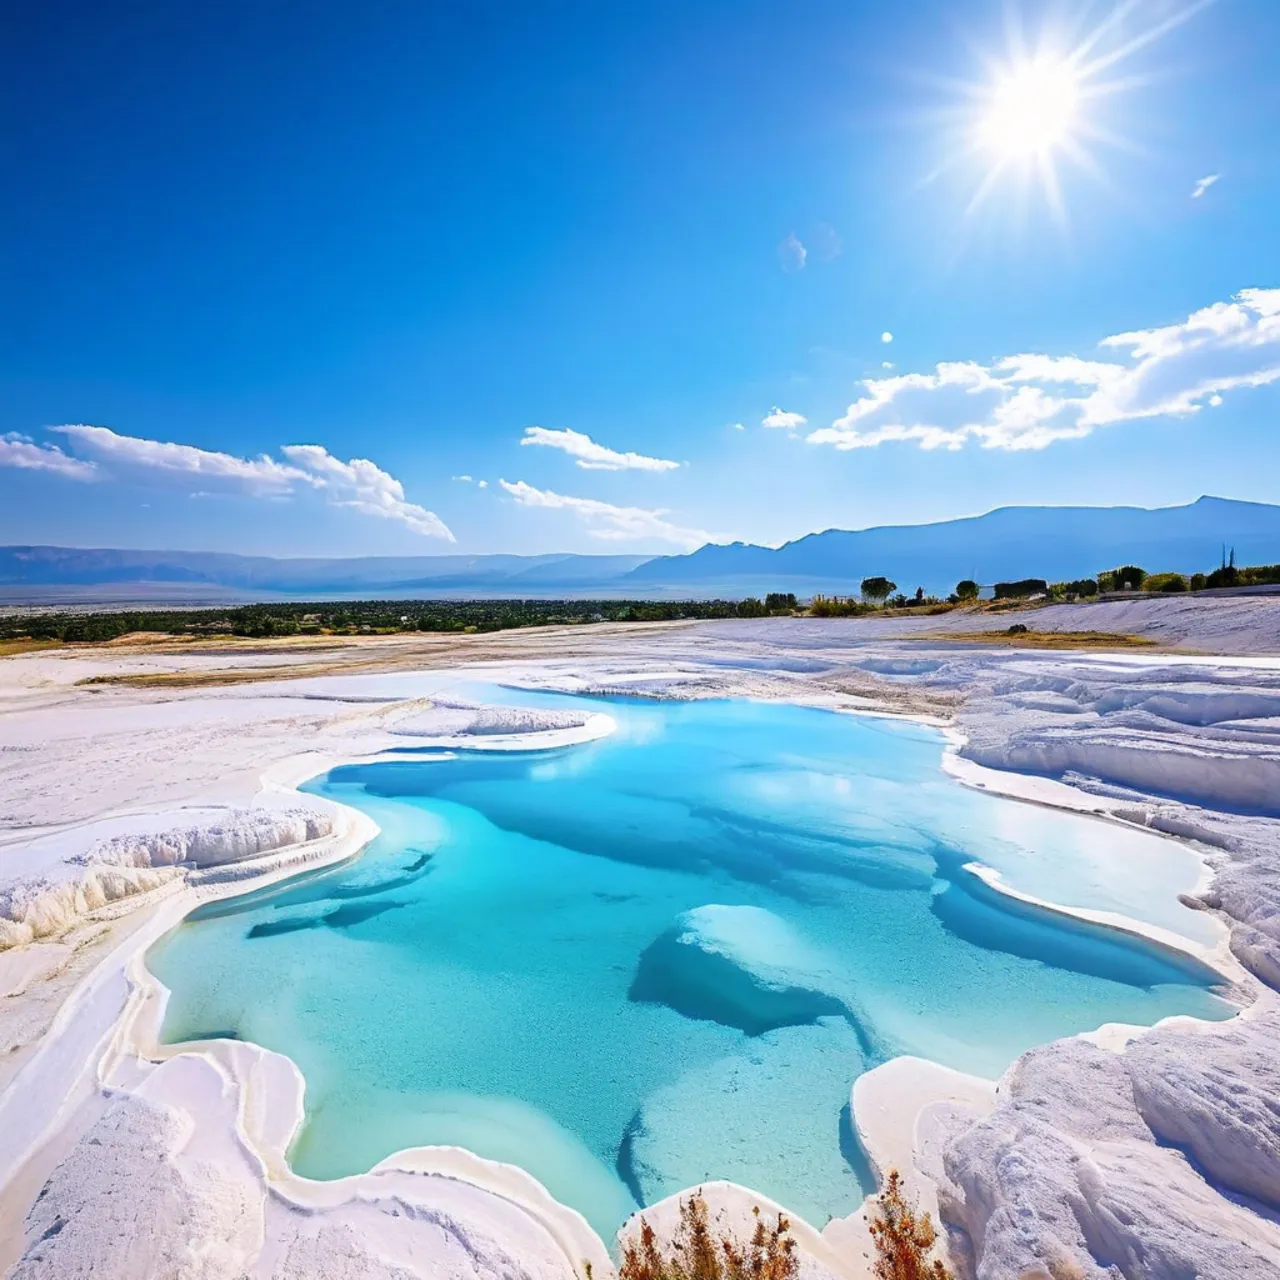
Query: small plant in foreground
<point x="903" y="1240"/>
<point x="696" y="1254"/>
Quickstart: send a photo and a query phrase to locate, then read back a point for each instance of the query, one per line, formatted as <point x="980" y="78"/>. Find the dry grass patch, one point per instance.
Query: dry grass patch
<point x="212" y="679"/>
<point x="8" y="648"/>
<point x="696" y="1253"/>
<point x="1025" y="638"/>
<point x="903" y="1239"/>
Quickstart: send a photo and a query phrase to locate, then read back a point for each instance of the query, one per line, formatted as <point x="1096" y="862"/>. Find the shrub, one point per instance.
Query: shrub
<point x="903" y="1240"/>
<point x="1127" y="578"/>
<point x="1165" y="582"/>
<point x="836" y="607"/>
<point x="1260" y="574"/>
<point x="1021" y="589"/>
<point x="1198" y="582"/>
<point x="1080" y="588"/>
<point x="966" y="589"/>
<point x="696" y="1254"/>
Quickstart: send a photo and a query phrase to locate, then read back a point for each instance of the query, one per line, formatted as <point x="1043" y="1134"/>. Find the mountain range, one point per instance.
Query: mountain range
<point x="1054" y="543"/>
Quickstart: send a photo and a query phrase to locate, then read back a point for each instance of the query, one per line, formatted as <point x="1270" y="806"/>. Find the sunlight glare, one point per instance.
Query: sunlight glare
<point x="1031" y="110"/>
<point x="1034" y="112"/>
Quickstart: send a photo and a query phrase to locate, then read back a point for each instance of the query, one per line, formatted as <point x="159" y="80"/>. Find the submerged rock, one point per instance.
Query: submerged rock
<point x="777" y="1103"/>
<point x="743" y="967"/>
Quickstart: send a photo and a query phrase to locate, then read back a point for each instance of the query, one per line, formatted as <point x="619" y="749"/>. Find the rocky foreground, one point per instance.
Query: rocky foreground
<point x="1154" y="1154"/>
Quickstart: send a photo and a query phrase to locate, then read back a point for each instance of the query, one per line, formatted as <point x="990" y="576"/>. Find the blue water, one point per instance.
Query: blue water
<point x="664" y="957"/>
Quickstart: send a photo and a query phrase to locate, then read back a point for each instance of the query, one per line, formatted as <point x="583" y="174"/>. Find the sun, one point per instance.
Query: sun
<point x="1041" y="108"/>
<point x="1031" y="110"/>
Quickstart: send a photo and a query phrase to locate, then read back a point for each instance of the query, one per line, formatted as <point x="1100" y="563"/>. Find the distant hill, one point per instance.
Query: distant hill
<point x="101" y="573"/>
<point x="1055" y="543"/>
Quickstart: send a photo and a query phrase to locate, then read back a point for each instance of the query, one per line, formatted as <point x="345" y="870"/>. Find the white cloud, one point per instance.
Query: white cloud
<point x="737" y="426"/>
<point x="1031" y="400"/>
<point x="20" y="451"/>
<point x="781" y="418"/>
<point x="358" y="484"/>
<point x="465" y="479"/>
<point x="606" y="521"/>
<point x="1203" y="185"/>
<point x="262" y="474"/>
<point x="792" y="253"/>
<point x="591" y="456"/>
<point x="886" y="364"/>
<point x="886" y="337"/>
<point x="363" y="486"/>
<point x="482" y="484"/>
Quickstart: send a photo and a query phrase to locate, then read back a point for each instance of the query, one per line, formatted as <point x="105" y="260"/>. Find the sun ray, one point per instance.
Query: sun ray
<point x="1145" y="38"/>
<point x="984" y="190"/>
<point x="1053" y="192"/>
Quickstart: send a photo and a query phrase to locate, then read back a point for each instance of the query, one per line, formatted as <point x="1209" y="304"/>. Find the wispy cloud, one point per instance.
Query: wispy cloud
<point x="591" y="456"/>
<point x="606" y="521"/>
<point x="780" y="418"/>
<point x="1203" y="185"/>
<point x="792" y="253"/>
<point x="358" y="484"/>
<point x="22" y="452"/>
<point x="259" y="475"/>
<point x="1029" y="401"/>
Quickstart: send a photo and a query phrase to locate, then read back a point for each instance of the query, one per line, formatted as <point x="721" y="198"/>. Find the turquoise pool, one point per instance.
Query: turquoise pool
<point x="664" y="956"/>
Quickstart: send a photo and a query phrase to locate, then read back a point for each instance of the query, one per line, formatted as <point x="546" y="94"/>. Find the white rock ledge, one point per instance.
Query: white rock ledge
<point x="74" y="882"/>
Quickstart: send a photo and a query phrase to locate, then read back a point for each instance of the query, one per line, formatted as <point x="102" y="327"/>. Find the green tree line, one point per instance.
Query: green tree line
<point x="374" y="617"/>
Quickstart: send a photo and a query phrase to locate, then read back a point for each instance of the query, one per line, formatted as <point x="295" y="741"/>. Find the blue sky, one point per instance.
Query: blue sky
<point x="376" y="244"/>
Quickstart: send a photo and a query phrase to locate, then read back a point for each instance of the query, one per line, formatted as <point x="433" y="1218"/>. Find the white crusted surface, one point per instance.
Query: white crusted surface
<point x="1070" y="1141"/>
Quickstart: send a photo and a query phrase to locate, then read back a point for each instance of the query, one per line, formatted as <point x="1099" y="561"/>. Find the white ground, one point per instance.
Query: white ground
<point x="1122" y="1154"/>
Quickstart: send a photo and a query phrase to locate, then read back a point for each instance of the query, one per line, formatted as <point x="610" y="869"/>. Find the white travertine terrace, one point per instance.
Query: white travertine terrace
<point x="1123" y="1153"/>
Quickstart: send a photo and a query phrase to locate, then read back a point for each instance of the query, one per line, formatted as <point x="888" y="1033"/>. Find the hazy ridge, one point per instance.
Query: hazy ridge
<point x="1010" y="542"/>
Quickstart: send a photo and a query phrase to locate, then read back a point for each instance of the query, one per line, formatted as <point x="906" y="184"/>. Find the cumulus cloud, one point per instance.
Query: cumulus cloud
<point x="780" y="418"/>
<point x="357" y="484"/>
<point x="464" y="478"/>
<point x="22" y="452"/>
<point x="591" y="456"/>
<point x="1031" y="400"/>
<point x="606" y="521"/>
<point x="363" y="486"/>
<point x="1203" y="185"/>
<point x="886" y="336"/>
<point x="792" y="253"/>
